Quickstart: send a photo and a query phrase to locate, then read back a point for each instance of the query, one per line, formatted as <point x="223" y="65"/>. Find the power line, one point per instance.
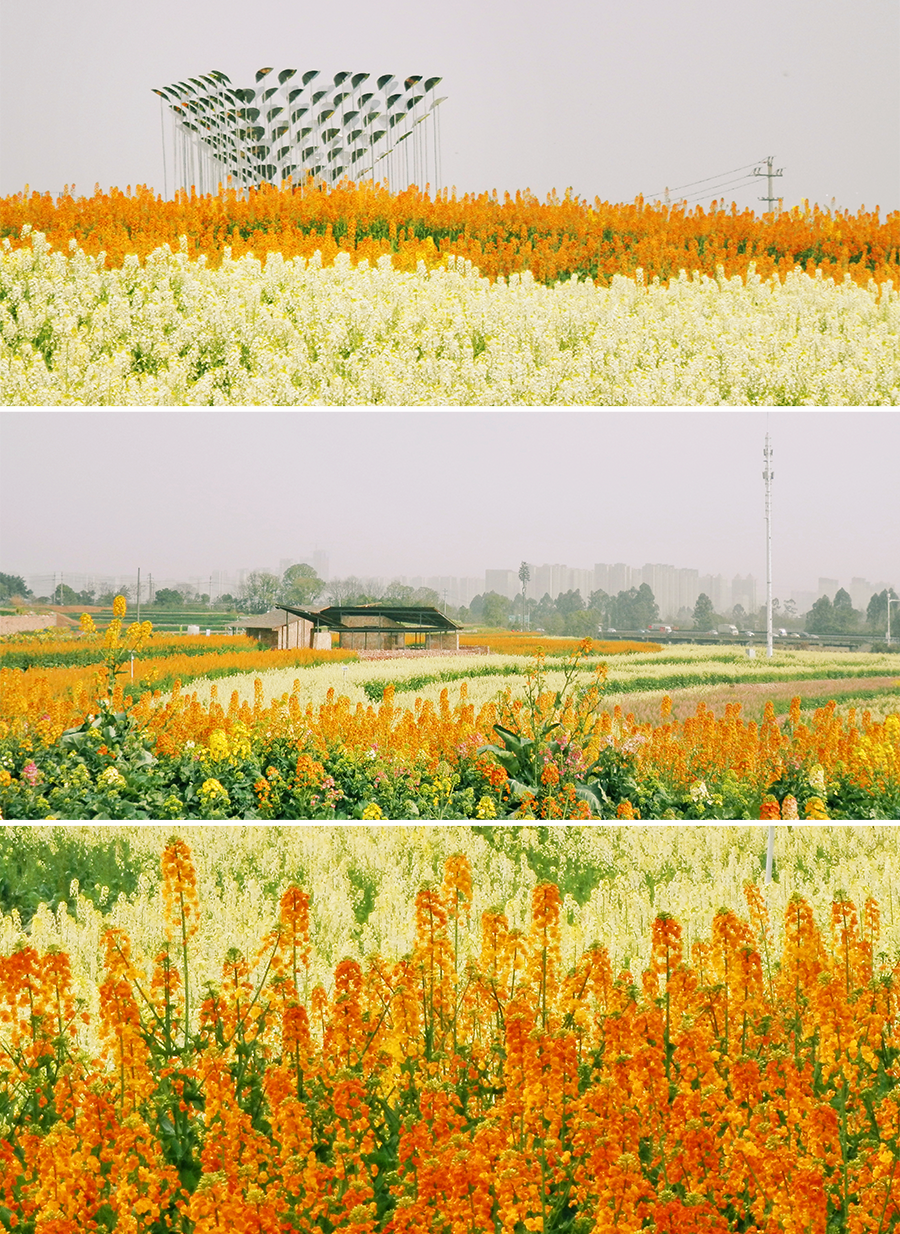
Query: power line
<point x="705" y="180"/>
<point x="745" y="180"/>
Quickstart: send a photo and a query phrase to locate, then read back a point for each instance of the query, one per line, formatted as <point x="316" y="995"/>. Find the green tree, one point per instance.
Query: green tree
<point x="495" y="609"/>
<point x="260" y="591"/>
<point x="300" y="585"/>
<point x="820" y="618"/>
<point x="426" y="596"/>
<point x="877" y="613"/>
<point x="704" y="615"/>
<point x="64" y="594"/>
<point x="13" y="585"/>
<point x="846" y="618"/>
<point x="168" y="597"/>
<point x="580" y="624"/>
<point x="569" y="602"/>
<point x="398" y="593"/>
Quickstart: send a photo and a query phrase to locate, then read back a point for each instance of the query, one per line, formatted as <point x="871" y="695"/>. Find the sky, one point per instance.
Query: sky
<point x="607" y="98"/>
<point x="392" y="493"/>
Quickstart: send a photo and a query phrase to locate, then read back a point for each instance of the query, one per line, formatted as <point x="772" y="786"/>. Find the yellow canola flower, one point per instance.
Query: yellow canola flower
<point x="212" y="790"/>
<point x="111" y="778"/>
<point x="119" y="606"/>
<point x="218" y="747"/>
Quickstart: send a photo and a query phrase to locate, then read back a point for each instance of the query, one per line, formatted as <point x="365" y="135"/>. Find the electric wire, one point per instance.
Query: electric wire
<point x="705" y="180"/>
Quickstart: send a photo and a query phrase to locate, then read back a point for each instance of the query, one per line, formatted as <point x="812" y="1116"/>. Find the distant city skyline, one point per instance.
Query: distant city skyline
<point x="449" y="493"/>
<point x="675" y="589"/>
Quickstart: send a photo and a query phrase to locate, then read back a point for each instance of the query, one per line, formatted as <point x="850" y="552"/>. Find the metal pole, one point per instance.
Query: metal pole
<point x="768" y="476"/>
<point x="139" y="596"/>
<point x="890" y="600"/>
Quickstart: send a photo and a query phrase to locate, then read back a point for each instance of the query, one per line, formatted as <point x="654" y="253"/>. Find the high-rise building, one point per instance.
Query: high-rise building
<point x="828" y="586"/>
<point x="503" y="582"/>
<point x="601" y="578"/>
<point x="620" y="577"/>
<point x="743" y="592"/>
<point x="687" y="585"/>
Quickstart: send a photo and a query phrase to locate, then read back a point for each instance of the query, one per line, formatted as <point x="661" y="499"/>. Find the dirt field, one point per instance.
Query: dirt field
<point x="752" y="697"/>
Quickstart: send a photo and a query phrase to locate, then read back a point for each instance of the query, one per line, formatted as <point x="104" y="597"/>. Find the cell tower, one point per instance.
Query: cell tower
<point x="291" y="125"/>
<point x="768" y="476"/>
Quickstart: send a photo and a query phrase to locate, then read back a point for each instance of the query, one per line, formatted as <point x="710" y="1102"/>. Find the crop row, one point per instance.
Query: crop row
<point x="488" y="1078"/>
<point x="554" y="240"/>
<point x="550" y="755"/>
<point x="172" y="331"/>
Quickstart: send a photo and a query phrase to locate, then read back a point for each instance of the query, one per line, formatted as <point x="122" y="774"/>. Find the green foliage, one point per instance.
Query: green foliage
<point x="38" y="867"/>
<point x="168" y="597"/>
<point x="704" y="615"/>
<point x="300" y="586"/>
<point x="13" y="585"/>
<point x="555" y="855"/>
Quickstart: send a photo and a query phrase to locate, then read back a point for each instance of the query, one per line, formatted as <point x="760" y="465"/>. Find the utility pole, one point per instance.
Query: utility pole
<point x="768" y="476"/>
<point x="139" y="596"/>
<point x="770" y="176"/>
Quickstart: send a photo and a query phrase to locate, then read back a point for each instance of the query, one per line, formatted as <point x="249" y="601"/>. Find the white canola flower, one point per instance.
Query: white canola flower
<point x="293" y="332"/>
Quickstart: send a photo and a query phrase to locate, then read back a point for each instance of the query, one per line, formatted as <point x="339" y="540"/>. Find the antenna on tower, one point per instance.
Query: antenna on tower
<point x="768" y="476"/>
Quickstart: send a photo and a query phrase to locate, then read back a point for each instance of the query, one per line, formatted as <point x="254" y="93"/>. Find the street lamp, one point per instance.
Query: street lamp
<point x="890" y="600"/>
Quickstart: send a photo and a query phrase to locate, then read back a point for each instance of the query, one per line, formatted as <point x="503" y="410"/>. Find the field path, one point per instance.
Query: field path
<point x="752" y="696"/>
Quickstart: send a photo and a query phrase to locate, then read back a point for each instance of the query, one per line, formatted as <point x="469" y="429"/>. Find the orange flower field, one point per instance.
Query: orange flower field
<point x="489" y="1080"/>
<point x="555" y="239"/>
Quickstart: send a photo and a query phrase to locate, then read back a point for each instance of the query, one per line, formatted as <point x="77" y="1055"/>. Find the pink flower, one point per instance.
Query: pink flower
<point x="31" y="773"/>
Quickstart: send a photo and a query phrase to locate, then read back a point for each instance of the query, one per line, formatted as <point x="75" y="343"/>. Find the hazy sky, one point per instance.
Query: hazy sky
<point x="184" y="493"/>
<point x="611" y="98"/>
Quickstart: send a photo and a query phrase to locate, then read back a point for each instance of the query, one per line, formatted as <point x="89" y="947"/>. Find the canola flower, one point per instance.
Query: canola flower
<point x="554" y="239"/>
<point x="296" y="332"/>
<point x="484" y="1077"/>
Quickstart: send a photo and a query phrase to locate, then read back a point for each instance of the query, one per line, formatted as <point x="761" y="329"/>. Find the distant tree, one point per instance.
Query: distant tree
<point x="820" y="618"/>
<point x="739" y="614"/>
<point x="168" y="597"/>
<point x="260" y="591"/>
<point x="569" y="602"/>
<point x="646" y="608"/>
<point x="476" y="608"/>
<point x="846" y="618"/>
<point x="64" y="594"/>
<point x="13" y="585"/>
<point x="427" y="597"/>
<point x="398" y="593"/>
<point x="582" y="623"/>
<point x="85" y="597"/>
<point x="877" y="612"/>
<point x="300" y="585"/>
<point x="226" y="600"/>
<point x="704" y="614"/>
<point x="495" y="609"/>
